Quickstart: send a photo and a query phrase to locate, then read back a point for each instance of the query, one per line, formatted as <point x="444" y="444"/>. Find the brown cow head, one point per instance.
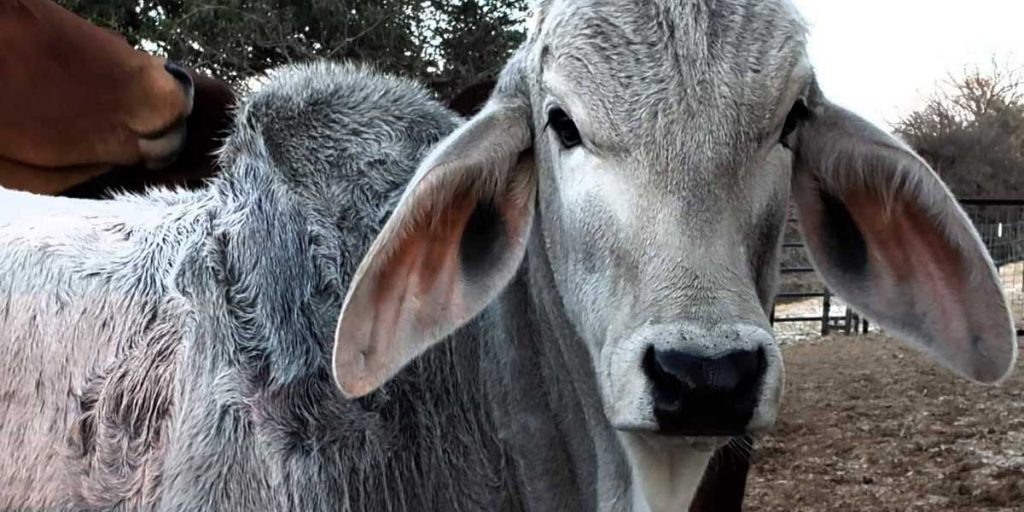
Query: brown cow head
<point x="208" y="125"/>
<point x="77" y="99"/>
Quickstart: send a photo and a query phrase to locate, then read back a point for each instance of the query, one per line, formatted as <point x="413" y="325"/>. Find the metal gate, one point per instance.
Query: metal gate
<point x="999" y="222"/>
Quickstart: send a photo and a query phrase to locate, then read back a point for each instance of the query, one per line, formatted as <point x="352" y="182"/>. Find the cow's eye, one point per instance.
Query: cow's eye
<point x="796" y="115"/>
<point x="564" y="128"/>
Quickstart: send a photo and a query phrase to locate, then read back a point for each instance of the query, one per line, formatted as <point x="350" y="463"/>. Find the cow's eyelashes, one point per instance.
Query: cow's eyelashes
<point x="564" y="128"/>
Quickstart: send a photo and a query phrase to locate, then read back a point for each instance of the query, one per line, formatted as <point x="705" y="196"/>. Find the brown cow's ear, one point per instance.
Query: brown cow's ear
<point x="455" y="240"/>
<point x="886" y="234"/>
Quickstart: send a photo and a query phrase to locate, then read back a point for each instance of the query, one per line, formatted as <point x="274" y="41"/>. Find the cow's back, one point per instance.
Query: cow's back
<point x="83" y="288"/>
<point x="216" y="393"/>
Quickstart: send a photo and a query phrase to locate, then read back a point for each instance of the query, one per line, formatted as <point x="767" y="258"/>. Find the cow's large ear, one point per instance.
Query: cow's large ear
<point x="886" y="234"/>
<point x="455" y="240"/>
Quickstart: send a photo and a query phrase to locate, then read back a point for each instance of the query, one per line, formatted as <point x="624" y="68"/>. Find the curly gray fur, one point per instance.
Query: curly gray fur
<point x="171" y="351"/>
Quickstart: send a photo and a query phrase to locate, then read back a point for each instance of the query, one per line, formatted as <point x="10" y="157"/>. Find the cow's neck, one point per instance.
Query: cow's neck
<point x="570" y="456"/>
<point x="547" y="399"/>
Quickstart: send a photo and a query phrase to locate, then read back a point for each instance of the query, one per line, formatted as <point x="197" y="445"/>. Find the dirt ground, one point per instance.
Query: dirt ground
<point x="870" y="426"/>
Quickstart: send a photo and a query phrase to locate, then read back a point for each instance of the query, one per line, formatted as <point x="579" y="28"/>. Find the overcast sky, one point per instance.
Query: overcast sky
<point x="880" y="58"/>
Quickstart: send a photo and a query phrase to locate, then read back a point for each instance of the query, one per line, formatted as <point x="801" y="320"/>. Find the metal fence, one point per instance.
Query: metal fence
<point x="1001" y="226"/>
<point x="999" y="222"/>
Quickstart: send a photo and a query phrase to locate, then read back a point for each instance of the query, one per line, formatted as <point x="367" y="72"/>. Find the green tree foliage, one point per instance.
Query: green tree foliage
<point x="448" y="44"/>
<point x="972" y="133"/>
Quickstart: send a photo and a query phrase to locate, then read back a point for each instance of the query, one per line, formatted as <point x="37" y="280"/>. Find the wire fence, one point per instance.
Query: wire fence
<point x="1001" y="226"/>
<point x="805" y="307"/>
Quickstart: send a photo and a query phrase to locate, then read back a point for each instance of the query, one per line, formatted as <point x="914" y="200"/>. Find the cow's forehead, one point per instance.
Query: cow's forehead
<point x="691" y="18"/>
<point x="634" y="62"/>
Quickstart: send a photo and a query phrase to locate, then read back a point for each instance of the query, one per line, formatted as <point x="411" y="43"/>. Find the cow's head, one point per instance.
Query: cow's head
<point x="655" y="146"/>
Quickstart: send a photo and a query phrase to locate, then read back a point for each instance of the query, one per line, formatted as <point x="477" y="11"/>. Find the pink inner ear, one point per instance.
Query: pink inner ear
<point x="934" y="288"/>
<point x="911" y="253"/>
<point x="413" y="288"/>
<point x="413" y="292"/>
<point x="419" y="285"/>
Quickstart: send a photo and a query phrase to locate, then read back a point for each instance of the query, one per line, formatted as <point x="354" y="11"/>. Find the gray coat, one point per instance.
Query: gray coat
<point x="172" y="351"/>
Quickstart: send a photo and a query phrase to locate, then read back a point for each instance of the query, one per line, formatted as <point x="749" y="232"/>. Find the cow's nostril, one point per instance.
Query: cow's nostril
<point x="698" y="395"/>
<point x="181" y="76"/>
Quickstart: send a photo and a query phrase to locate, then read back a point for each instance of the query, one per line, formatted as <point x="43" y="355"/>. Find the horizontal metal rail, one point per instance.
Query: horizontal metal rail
<point x="795" y="319"/>
<point x="800" y="295"/>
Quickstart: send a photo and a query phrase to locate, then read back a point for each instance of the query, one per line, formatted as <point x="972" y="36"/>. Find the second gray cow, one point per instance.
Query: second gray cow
<point x="172" y="351"/>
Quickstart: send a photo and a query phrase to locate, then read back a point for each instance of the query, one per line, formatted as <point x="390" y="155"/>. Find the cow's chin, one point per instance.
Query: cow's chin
<point x="159" y="152"/>
<point x="666" y="470"/>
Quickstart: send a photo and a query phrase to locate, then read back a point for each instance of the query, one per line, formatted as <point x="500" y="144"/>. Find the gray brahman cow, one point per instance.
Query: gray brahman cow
<point x="609" y="225"/>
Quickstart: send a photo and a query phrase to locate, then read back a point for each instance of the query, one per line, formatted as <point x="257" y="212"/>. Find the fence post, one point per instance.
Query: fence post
<point x="826" y="315"/>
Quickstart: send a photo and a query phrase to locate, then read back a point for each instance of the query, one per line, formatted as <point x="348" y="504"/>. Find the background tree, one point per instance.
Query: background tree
<point x="449" y="44"/>
<point x="972" y="132"/>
